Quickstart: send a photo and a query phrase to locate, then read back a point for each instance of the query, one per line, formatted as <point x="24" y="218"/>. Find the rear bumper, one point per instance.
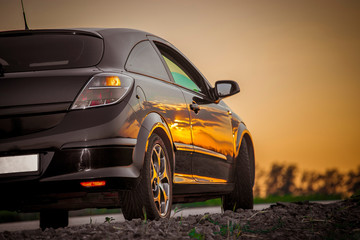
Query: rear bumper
<point x="92" y="144"/>
<point x="57" y="183"/>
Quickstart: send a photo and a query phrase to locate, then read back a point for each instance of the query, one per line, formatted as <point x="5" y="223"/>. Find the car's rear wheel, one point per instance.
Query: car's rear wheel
<point x="54" y="219"/>
<point x="152" y="198"/>
<point x="242" y="195"/>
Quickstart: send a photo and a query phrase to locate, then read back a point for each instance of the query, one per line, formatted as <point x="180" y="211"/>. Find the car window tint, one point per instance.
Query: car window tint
<point x="143" y="59"/>
<point x="47" y="51"/>
<point x="180" y="77"/>
<point x="182" y="71"/>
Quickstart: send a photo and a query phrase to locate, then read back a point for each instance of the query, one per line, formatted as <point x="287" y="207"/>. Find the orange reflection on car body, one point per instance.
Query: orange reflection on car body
<point x="195" y="179"/>
<point x="205" y="132"/>
<point x="177" y="119"/>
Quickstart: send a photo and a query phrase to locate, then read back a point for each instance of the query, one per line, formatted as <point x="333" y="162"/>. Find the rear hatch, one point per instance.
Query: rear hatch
<point x="41" y="73"/>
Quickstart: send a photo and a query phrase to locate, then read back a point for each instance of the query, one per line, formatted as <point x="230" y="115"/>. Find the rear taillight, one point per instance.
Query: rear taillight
<point x="103" y="89"/>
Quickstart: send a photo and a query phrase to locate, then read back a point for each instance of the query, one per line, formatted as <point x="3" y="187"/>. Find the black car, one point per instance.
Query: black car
<point x="105" y="118"/>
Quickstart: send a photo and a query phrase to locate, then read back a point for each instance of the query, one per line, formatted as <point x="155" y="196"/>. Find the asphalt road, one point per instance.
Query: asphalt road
<point x="97" y="219"/>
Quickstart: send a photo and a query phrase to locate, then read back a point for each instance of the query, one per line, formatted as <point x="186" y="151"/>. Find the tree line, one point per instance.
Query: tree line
<point x="287" y="179"/>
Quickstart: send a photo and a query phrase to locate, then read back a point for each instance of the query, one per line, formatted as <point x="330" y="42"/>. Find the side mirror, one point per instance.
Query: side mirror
<point x="226" y="88"/>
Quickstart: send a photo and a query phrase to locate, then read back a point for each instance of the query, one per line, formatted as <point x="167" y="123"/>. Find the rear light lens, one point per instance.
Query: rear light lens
<point x="103" y="89"/>
<point x="93" y="184"/>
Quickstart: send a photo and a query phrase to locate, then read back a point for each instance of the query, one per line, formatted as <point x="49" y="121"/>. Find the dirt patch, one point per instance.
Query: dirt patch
<point x="302" y="220"/>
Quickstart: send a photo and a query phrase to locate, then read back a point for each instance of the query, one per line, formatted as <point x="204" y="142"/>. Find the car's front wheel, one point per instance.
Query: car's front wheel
<point x="242" y="195"/>
<point x="152" y="198"/>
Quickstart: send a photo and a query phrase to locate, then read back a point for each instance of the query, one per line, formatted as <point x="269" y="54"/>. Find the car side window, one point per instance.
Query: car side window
<point x="180" y="77"/>
<point x="143" y="59"/>
<point x="181" y="70"/>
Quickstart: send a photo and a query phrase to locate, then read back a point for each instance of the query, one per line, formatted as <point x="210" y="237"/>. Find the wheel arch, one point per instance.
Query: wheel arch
<point x="153" y="123"/>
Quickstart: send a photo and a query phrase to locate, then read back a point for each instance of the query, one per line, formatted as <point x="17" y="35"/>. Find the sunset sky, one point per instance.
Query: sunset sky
<point x="297" y="63"/>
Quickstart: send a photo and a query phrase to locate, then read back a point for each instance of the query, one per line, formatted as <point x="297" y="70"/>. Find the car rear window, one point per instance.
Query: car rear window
<point x="45" y="51"/>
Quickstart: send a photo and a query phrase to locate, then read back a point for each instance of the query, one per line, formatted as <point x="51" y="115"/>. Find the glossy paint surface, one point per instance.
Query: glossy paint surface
<point x="212" y="138"/>
<point x="168" y="101"/>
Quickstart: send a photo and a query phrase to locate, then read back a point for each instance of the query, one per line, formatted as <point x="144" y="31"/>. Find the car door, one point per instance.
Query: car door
<point x="156" y="93"/>
<point x="211" y="129"/>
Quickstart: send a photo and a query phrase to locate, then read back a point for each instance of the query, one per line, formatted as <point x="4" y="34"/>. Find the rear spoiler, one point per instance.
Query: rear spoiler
<point x="51" y="31"/>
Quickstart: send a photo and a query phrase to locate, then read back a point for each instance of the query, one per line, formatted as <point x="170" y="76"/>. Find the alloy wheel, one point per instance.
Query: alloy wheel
<point x="159" y="180"/>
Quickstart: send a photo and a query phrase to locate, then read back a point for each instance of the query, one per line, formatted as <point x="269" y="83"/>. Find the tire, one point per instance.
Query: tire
<point x="152" y="197"/>
<point x="242" y="195"/>
<point x="54" y="219"/>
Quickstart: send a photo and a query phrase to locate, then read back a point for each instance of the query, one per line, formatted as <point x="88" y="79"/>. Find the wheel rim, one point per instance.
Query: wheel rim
<point x="160" y="182"/>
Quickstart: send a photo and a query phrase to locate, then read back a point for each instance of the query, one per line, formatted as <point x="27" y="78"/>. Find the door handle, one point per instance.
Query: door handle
<point x="195" y="107"/>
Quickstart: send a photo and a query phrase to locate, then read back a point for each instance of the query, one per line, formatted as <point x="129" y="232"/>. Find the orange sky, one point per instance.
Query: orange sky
<point x="297" y="62"/>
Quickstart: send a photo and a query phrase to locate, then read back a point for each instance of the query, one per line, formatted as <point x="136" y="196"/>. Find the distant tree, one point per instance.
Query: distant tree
<point x="281" y="179"/>
<point x="352" y="182"/>
<point x="259" y="179"/>
<point x="273" y="183"/>
<point x="288" y="180"/>
<point x="331" y="182"/>
<point x="309" y="182"/>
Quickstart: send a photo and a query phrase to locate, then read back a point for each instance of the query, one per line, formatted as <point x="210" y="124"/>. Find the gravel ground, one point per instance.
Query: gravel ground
<point x="302" y="220"/>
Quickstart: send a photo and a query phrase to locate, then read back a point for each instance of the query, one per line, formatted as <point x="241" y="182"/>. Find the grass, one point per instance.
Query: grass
<point x="291" y="198"/>
<point x="7" y="216"/>
<point x="269" y="199"/>
<point x="207" y="203"/>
